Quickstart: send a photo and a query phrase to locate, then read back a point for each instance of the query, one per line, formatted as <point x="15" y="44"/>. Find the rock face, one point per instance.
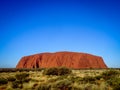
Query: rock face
<point x="67" y="59"/>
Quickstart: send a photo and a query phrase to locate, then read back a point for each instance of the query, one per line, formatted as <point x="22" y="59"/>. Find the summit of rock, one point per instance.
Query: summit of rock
<point x="75" y="60"/>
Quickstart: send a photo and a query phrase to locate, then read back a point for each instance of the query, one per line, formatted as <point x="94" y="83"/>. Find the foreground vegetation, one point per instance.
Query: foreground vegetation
<point x="59" y="79"/>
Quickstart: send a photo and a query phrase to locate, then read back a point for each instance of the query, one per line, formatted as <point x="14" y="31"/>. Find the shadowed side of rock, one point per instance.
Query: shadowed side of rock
<point x="67" y="59"/>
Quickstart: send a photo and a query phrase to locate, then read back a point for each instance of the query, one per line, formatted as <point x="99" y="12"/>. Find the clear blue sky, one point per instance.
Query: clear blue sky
<point x="35" y="26"/>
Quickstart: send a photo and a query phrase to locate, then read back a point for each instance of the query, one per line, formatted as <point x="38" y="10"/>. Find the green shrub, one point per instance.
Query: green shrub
<point x="20" y="79"/>
<point x="15" y="84"/>
<point x="26" y="80"/>
<point x="57" y="71"/>
<point x="11" y="79"/>
<point x="112" y="78"/>
<point x="116" y="87"/>
<point x="51" y="71"/>
<point x="76" y="88"/>
<point x="88" y="87"/>
<point x="109" y="74"/>
<point x="89" y="79"/>
<point x="44" y="87"/>
<point x="63" y="71"/>
<point x="98" y="77"/>
<point x="21" y="76"/>
<point x="34" y="86"/>
<point x="75" y="79"/>
<point x="114" y="82"/>
<point x="3" y="81"/>
<point x="63" y="85"/>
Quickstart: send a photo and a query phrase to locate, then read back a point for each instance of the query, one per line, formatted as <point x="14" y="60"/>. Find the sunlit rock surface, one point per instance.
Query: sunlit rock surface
<point x="73" y="60"/>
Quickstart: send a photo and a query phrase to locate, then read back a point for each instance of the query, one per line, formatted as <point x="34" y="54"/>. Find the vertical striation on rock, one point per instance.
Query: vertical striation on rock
<point x="67" y="59"/>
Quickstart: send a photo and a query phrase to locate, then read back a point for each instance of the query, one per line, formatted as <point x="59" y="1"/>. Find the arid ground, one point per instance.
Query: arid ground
<point x="59" y="79"/>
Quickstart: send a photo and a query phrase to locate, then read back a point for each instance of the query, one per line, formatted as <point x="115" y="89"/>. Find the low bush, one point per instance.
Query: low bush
<point x="26" y="80"/>
<point x="20" y="79"/>
<point x="109" y="74"/>
<point x="57" y="71"/>
<point x="21" y="76"/>
<point x="11" y="78"/>
<point x="112" y="78"/>
<point x="89" y="78"/>
<point x="15" y="84"/>
<point x="51" y="71"/>
<point x="63" y="71"/>
<point x="44" y="87"/>
<point x="75" y="79"/>
<point x="63" y="85"/>
<point x="3" y="81"/>
<point x="114" y="82"/>
<point x="98" y="77"/>
<point x="34" y="86"/>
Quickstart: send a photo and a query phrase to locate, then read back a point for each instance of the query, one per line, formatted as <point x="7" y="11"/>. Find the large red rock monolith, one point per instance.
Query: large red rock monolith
<point x="73" y="60"/>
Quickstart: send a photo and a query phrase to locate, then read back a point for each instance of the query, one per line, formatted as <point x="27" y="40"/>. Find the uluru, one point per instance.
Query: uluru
<point x="75" y="60"/>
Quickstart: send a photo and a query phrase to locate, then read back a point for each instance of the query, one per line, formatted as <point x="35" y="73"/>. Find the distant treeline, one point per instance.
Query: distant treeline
<point x="39" y="69"/>
<point x="20" y="69"/>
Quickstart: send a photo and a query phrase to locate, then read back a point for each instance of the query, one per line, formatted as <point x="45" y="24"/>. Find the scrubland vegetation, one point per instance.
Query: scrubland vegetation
<point x="59" y="79"/>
